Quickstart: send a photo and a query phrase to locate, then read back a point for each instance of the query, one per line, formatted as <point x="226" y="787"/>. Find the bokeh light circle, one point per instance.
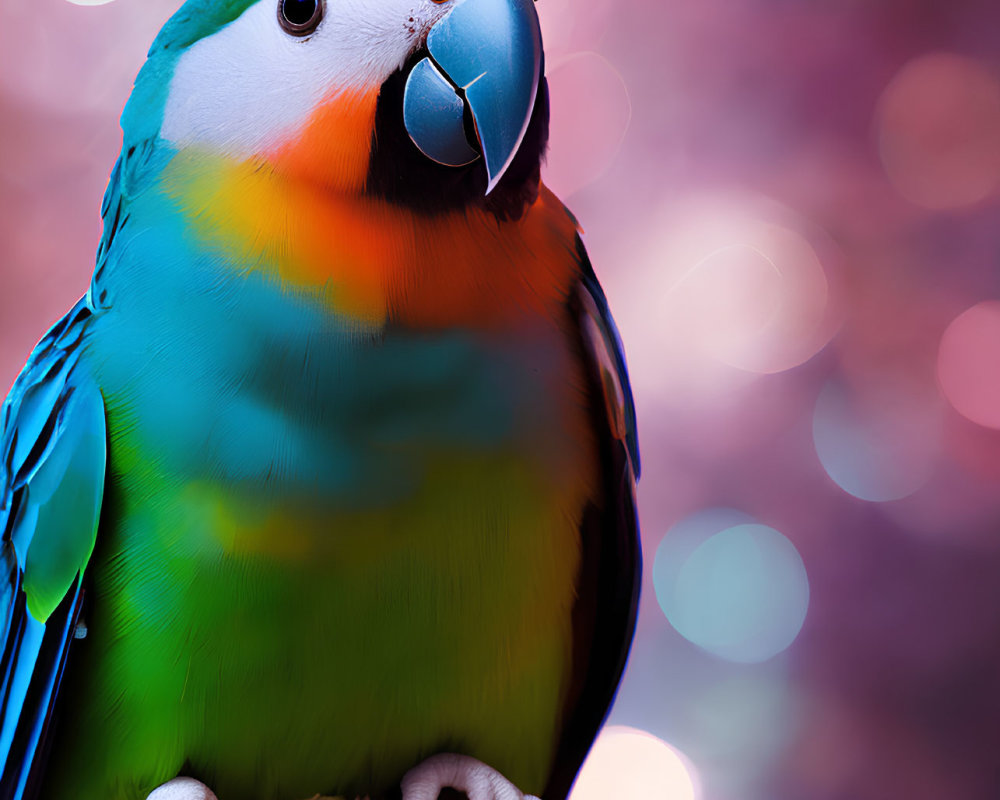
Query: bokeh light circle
<point x="725" y="287"/>
<point x="630" y="764"/>
<point x="571" y="27"/>
<point x="879" y="443"/>
<point x="969" y="364"/>
<point x="581" y="148"/>
<point x="742" y="593"/>
<point x="939" y="124"/>
<point x="755" y="301"/>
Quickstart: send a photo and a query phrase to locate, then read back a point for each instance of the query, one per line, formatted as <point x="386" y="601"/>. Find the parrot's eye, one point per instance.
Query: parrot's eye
<point x="300" y="17"/>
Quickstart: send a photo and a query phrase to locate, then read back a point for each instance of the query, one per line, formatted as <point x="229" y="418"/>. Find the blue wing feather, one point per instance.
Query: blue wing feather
<point x="52" y="467"/>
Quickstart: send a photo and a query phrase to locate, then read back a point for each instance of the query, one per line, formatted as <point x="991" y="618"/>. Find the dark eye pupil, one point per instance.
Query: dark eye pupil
<point x="300" y="16"/>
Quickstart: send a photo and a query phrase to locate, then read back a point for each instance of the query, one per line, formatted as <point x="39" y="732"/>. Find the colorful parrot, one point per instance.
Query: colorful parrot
<point x="330" y="475"/>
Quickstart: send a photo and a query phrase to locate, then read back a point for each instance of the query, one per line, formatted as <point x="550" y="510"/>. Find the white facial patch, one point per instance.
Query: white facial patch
<point x="248" y="87"/>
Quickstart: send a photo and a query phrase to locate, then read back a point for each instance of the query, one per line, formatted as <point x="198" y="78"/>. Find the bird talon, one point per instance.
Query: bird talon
<point x="466" y="774"/>
<point x="182" y="789"/>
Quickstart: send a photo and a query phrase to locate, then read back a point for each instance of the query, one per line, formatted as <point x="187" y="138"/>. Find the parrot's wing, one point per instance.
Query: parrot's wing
<point x="608" y="354"/>
<point x="52" y="462"/>
<point x="608" y="595"/>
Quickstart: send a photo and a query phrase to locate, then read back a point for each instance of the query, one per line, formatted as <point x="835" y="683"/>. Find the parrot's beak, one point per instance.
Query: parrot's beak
<point x="485" y="55"/>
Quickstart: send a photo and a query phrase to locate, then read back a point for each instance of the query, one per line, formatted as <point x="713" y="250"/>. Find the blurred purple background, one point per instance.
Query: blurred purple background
<point x="794" y="210"/>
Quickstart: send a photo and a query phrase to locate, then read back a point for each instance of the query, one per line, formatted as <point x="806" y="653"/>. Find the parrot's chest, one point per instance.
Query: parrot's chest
<point x="354" y="557"/>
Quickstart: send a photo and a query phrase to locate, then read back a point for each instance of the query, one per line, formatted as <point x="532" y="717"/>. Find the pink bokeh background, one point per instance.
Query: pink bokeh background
<point x="794" y="210"/>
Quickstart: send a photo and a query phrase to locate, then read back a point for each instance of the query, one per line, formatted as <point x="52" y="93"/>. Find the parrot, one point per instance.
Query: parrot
<point x="327" y="484"/>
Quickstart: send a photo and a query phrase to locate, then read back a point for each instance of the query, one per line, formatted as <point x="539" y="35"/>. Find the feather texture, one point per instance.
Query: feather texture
<point x="51" y="490"/>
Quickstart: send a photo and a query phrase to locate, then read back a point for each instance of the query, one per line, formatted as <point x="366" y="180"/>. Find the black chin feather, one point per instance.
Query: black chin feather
<point x="401" y="174"/>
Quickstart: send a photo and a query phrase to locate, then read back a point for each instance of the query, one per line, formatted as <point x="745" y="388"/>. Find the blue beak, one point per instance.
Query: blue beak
<point x="485" y="55"/>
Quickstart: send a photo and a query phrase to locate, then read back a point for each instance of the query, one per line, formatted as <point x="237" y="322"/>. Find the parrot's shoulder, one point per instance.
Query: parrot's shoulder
<point x="131" y="176"/>
<point x="52" y="470"/>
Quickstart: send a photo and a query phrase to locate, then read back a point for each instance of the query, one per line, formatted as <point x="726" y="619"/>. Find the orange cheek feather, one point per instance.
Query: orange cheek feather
<point x="333" y="148"/>
<point x="303" y="211"/>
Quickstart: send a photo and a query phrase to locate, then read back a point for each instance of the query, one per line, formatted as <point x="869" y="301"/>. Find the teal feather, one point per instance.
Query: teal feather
<point x="52" y="466"/>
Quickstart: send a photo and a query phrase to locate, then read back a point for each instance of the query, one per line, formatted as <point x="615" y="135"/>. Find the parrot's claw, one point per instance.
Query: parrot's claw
<point x="476" y="779"/>
<point x="182" y="789"/>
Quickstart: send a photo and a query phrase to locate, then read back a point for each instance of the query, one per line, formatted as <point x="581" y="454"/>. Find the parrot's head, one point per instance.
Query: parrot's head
<point x="433" y="104"/>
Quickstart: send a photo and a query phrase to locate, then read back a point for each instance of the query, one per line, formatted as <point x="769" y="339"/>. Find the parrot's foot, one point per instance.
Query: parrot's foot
<point x="478" y="781"/>
<point x="182" y="789"/>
